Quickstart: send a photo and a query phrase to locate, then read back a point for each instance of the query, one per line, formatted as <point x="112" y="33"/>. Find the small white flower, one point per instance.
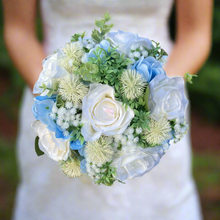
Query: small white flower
<point x="59" y="121"/>
<point x="141" y="48"/>
<point x="54" y="108"/>
<point x="66" y="133"/>
<point x="75" y="123"/>
<point x="136" y="140"/>
<point x="97" y="170"/>
<point x="85" y="42"/>
<point x="68" y="105"/>
<point x="73" y="111"/>
<point x="177" y="127"/>
<point x="182" y="120"/>
<point x="145" y="53"/>
<point x="130" y="137"/>
<point x="65" y="125"/>
<point x="134" y="46"/>
<point x="129" y="143"/>
<point x="139" y="130"/>
<point x="124" y="141"/>
<point x="53" y="115"/>
<point x="61" y="111"/>
<point x="89" y="46"/>
<point x="131" y="55"/>
<point x="130" y="130"/>
<point x="93" y="166"/>
<point x="72" y="117"/>
<point x="137" y="54"/>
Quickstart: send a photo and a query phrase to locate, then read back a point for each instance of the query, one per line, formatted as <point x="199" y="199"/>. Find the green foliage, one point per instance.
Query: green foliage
<point x="98" y="36"/>
<point x="141" y="119"/>
<point x="76" y="37"/>
<point x="111" y="65"/>
<point x="156" y="51"/>
<point x="188" y="77"/>
<point x="76" y="133"/>
<point x="60" y="102"/>
<point x="37" y="149"/>
<point x="107" y="178"/>
<point x="89" y="72"/>
<point x="51" y="90"/>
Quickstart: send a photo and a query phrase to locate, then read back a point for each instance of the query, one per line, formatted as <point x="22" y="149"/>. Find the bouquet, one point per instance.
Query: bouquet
<point x="106" y="107"/>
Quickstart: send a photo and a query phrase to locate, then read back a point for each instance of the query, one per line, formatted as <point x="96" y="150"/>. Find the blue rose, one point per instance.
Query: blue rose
<point x="76" y="145"/>
<point x="42" y="107"/>
<point x="124" y="40"/>
<point x="148" y="67"/>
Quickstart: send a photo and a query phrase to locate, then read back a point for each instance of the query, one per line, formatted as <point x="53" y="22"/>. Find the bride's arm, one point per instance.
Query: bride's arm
<point x="20" y="38"/>
<point x="193" y="40"/>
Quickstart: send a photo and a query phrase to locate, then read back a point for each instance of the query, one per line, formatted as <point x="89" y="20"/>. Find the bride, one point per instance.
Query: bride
<point x="168" y="191"/>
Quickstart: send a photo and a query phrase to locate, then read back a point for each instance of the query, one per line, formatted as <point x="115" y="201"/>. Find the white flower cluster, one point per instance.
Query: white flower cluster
<point x="65" y="117"/>
<point x="94" y="171"/>
<point x="137" y="51"/>
<point x="88" y="43"/>
<point x="180" y="128"/>
<point x="127" y="138"/>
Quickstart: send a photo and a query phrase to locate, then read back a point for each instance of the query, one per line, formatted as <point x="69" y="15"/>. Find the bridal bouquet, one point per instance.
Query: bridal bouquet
<point x="106" y="106"/>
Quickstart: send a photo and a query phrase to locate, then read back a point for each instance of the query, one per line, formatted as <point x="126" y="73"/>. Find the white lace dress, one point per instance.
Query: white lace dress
<point x="45" y="193"/>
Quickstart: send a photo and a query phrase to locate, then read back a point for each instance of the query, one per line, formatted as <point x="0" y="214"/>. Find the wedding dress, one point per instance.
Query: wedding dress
<point x="45" y="193"/>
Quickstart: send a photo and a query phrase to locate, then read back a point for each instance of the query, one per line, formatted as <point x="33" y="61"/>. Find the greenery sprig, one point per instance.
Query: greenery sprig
<point x="107" y="178"/>
<point x="76" y="133"/>
<point x="188" y="77"/>
<point x="156" y="51"/>
<point x="98" y="36"/>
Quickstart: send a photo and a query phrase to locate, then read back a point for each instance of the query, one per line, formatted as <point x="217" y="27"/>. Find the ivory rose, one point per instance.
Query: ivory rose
<point x="135" y="161"/>
<point x="55" y="148"/>
<point x="102" y="114"/>
<point x="167" y="97"/>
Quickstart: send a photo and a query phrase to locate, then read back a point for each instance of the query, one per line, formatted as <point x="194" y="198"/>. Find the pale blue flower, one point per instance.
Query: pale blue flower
<point x="42" y="107"/>
<point x="83" y="166"/>
<point x="149" y="67"/>
<point x="76" y="145"/>
<point x="124" y="40"/>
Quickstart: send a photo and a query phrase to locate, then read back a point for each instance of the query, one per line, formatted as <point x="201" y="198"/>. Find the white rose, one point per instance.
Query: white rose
<point x="50" y="71"/>
<point x="55" y="148"/>
<point x="135" y="161"/>
<point x="124" y="40"/>
<point x="167" y="97"/>
<point x="102" y="114"/>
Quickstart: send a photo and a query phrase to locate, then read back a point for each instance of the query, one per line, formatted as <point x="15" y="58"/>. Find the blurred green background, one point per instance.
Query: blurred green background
<point x="205" y="115"/>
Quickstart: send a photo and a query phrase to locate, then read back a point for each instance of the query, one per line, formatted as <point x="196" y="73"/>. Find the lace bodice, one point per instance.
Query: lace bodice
<point x="63" y="18"/>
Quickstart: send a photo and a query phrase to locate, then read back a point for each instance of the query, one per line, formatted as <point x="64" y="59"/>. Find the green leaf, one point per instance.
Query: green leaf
<point x="37" y="149"/>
